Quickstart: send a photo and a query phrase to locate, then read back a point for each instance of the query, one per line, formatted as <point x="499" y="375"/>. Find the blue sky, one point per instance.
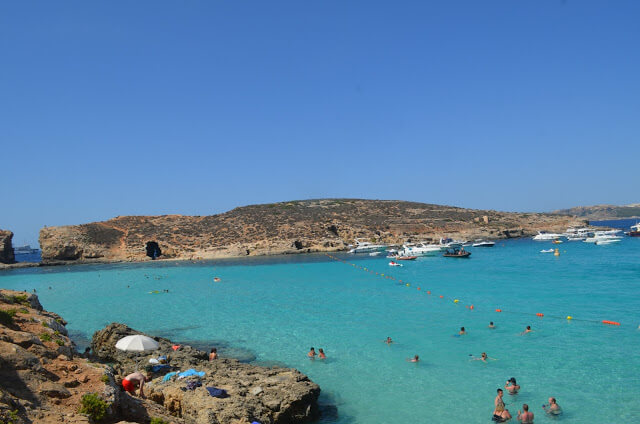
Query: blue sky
<point x="118" y="108"/>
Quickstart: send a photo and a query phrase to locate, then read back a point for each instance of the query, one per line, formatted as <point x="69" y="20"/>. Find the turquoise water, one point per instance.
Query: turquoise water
<point x="271" y="310"/>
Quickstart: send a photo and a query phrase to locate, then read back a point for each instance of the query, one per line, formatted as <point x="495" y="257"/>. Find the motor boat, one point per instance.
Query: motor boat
<point x="578" y="234"/>
<point x="378" y="253"/>
<point x="604" y="242"/>
<point x="406" y="258"/>
<point x="602" y="237"/>
<point x="367" y="247"/>
<point x="420" y="249"/>
<point x="456" y="252"/>
<point x="392" y="253"/>
<point x="392" y="263"/>
<point x="446" y="242"/>
<point x="544" y="236"/>
<point x="547" y="251"/>
<point x="635" y="230"/>
<point x="483" y="243"/>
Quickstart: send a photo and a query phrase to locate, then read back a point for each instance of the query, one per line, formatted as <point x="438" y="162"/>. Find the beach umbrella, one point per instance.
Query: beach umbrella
<point x="137" y="343"/>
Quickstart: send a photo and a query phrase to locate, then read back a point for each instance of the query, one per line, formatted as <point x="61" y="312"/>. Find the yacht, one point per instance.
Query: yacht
<point x="578" y="234"/>
<point x="483" y="243"/>
<point x="419" y="249"/>
<point x="602" y="237"/>
<point x="635" y="230"/>
<point x="446" y="243"/>
<point x="544" y="236"/>
<point x="24" y="250"/>
<point x="366" y="247"/>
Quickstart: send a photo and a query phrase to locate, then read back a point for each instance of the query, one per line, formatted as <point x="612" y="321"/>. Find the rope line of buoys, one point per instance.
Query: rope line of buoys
<point x="470" y="307"/>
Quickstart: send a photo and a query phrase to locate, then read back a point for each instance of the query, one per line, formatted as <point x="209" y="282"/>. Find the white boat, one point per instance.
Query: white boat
<point x="378" y="253"/>
<point x="448" y="243"/>
<point x="24" y="250"/>
<point x="366" y="247"/>
<point x="578" y="234"/>
<point x="603" y="237"/>
<point x="483" y="243"/>
<point x="392" y="263"/>
<point x="604" y="242"/>
<point x="420" y="249"/>
<point x="547" y="251"/>
<point x="392" y="253"/>
<point x="544" y="236"/>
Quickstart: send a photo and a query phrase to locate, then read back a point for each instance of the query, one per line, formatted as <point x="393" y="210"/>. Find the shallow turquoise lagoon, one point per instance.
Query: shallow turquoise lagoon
<point x="271" y="310"/>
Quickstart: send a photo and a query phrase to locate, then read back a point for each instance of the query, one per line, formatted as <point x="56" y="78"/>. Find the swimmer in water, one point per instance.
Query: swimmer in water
<point x="553" y="408"/>
<point x="526" y="330"/>
<point x="388" y="341"/>
<point x="312" y="353"/>
<point x="482" y="357"/>
<point x="526" y="417"/>
<point x="491" y="326"/>
<point x="462" y="331"/>
<point x="511" y="386"/>
<point x="414" y="359"/>
<point x="321" y="354"/>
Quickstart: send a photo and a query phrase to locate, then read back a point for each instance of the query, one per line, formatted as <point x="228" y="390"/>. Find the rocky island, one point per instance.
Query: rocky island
<point x="280" y="228"/>
<point x="43" y="379"/>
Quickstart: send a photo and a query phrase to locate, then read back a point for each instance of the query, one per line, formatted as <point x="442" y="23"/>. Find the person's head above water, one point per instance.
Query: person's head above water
<point x="528" y="327"/>
<point x="512" y="380"/>
<point x="499" y="391"/>
<point x="552" y="400"/>
<point x="490" y="322"/>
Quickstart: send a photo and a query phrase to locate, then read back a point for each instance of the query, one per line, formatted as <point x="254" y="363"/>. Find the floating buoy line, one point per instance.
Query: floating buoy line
<point x="457" y="301"/>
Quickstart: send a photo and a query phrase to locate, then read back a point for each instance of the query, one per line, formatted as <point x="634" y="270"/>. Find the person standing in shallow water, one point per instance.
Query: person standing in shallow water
<point x="312" y="353"/>
<point x="321" y="354"/>
<point x="525" y="417"/>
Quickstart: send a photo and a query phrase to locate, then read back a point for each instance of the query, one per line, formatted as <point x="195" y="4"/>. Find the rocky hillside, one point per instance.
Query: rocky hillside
<point x="6" y="248"/>
<point x="43" y="380"/>
<point x="288" y="227"/>
<point x="602" y="212"/>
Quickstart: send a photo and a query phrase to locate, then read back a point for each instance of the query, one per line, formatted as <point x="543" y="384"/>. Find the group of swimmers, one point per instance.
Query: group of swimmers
<point x="501" y="414"/>
<point x="312" y="353"/>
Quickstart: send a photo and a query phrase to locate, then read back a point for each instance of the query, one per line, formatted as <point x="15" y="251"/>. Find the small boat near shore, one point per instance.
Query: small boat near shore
<point x="635" y="231"/>
<point x="393" y="263"/>
<point x="366" y="247"/>
<point x="406" y="258"/>
<point x="544" y="236"/>
<point x="456" y="252"/>
<point x="547" y="251"/>
<point x="483" y="243"/>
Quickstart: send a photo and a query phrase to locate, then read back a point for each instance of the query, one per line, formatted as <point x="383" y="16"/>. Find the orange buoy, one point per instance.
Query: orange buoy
<point x="498" y="310"/>
<point x="428" y="291"/>
<point x="441" y="296"/>
<point x="539" y="314"/>
<point x="418" y="288"/>
<point x="610" y="322"/>
<point x="471" y="307"/>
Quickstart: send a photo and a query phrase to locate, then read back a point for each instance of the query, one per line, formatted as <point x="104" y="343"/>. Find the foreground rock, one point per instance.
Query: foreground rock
<point x="40" y="379"/>
<point x="289" y="227"/>
<point x="267" y="395"/>
<point x="6" y="248"/>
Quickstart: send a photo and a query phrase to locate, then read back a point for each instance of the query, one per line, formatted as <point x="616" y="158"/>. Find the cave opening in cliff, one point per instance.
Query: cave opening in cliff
<point x="153" y="250"/>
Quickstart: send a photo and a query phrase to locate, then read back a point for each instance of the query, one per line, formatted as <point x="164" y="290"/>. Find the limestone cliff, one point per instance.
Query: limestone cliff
<point x="6" y="249"/>
<point x="288" y="227"/>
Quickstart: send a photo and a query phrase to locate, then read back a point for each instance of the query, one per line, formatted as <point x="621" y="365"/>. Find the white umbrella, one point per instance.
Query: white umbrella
<point x="137" y="343"/>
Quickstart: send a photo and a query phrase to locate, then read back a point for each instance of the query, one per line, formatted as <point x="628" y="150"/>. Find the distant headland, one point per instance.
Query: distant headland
<point x="322" y="225"/>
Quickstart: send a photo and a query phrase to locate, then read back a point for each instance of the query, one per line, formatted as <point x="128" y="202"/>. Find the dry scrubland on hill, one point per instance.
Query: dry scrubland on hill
<point x="288" y="227"/>
<point x="602" y="212"/>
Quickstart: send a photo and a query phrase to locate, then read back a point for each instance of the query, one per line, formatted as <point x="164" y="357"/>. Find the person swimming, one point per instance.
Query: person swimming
<point x="552" y="408"/>
<point x="526" y="330"/>
<point x="414" y="359"/>
<point x="312" y="353"/>
<point x="321" y="355"/>
<point x="482" y="357"/>
<point x="525" y="417"/>
<point x="462" y="331"/>
<point x="491" y="325"/>
<point x="511" y="386"/>
<point x="388" y="341"/>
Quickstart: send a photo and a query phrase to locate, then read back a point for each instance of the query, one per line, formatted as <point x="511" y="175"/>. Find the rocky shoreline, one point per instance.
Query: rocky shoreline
<point x="44" y="380"/>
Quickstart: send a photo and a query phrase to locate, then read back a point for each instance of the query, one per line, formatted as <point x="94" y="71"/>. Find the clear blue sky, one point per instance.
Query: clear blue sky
<point x="117" y="108"/>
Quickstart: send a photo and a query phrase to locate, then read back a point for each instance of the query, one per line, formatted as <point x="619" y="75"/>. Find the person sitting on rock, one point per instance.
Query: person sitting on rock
<point x="214" y="354"/>
<point x="133" y="380"/>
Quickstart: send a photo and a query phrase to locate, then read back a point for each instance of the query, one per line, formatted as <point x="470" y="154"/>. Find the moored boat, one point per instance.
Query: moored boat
<point x="406" y="258"/>
<point x="483" y="243"/>
<point x="544" y="236"/>
<point x="366" y="247"/>
<point x="456" y="252"/>
<point x="635" y="231"/>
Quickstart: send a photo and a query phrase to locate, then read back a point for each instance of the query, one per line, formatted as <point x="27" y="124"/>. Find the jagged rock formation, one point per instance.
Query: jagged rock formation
<point x="267" y="395"/>
<point x="602" y="212"/>
<point x="40" y="379"/>
<point x="288" y="227"/>
<point x="6" y="248"/>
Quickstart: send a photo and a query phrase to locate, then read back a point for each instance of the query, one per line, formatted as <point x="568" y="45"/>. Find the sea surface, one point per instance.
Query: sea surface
<point x="272" y="310"/>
